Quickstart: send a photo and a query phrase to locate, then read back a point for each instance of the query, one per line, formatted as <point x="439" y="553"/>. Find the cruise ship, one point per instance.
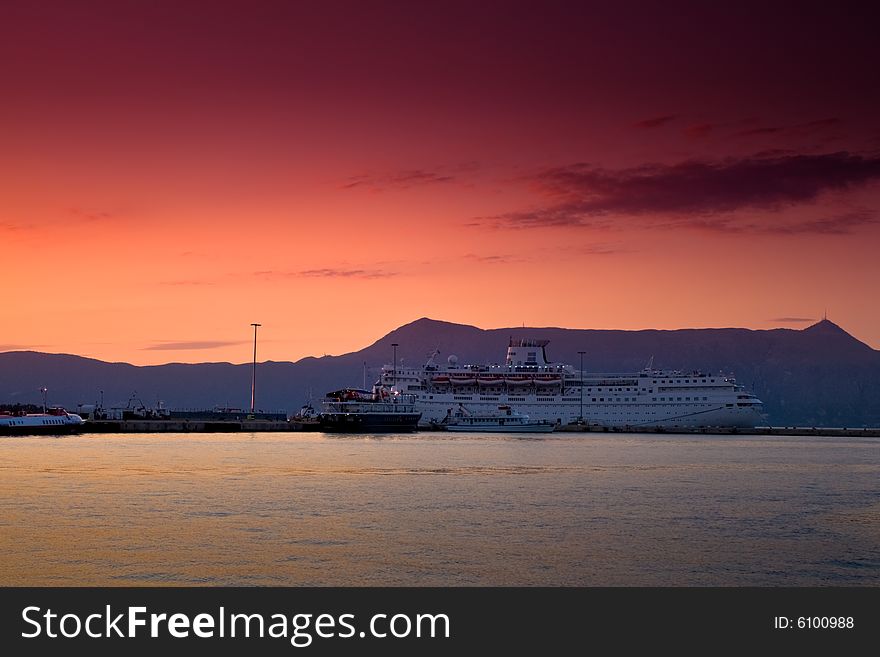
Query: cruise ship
<point x="558" y="393"/>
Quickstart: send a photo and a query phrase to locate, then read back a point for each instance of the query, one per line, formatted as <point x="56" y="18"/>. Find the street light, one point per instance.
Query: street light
<point x="394" y="367"/>
<point x="581" y="418"/>
<point x="44" y="390"/>
<point x="254" y="376"/>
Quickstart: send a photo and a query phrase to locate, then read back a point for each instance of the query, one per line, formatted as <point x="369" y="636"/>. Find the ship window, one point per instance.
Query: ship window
<point x="653" y="399"/>
<point x="705" y="399"/>
<point x="594" y="399"/>
<point x="713" y="380"/>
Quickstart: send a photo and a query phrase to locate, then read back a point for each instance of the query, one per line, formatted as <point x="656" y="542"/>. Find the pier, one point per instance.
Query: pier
<point x="193" y="426"/>
<point x="847" y="432"/>
<point x="258" y="425"/>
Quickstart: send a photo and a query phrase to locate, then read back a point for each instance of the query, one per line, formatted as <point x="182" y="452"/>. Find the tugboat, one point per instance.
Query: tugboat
<point x="54" y="421"/>
<point x="307" y="419"/>
<point x="351" y="410"/>
<point x="505" y="420"/>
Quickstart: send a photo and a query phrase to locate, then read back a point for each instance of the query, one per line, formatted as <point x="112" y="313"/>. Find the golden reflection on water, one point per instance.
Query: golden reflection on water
<point x="429" y="509"/>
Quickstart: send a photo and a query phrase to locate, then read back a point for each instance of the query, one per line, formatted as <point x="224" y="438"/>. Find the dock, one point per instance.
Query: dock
<point x="843" y="432"/>
<point x="193" y="426"/>
<point x="264" y="425"/>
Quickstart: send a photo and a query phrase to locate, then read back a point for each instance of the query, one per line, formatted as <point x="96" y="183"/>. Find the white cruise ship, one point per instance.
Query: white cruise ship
<point x="558" y="393"/>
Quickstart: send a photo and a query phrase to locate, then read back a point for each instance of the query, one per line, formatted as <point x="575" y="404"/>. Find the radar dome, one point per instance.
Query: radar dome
<point x="452" y="360"/>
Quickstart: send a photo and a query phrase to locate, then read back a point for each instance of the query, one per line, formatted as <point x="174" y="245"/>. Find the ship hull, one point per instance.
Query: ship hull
<point x="525" y="428"/>
<point x="622" y="415"/>
<point x="37" y="430"/>
<point x="369" y="422"/>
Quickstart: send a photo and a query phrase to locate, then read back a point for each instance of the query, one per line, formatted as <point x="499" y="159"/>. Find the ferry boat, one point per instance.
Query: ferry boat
<point x="559" y="394"/>
<point x="503" y="420"/>
<point x="55" y="421"/>
<point x="360" y="411"/>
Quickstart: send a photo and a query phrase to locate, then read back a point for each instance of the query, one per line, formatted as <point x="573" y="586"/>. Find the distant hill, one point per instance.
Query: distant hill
<point x="818" y="376"/>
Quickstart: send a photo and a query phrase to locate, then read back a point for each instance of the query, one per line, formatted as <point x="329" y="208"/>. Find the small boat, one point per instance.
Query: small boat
<point x="53" y="422"/>
<point x="505" y="420"/>
<point x="361" y="411"/>
<point x="307" y="418"/>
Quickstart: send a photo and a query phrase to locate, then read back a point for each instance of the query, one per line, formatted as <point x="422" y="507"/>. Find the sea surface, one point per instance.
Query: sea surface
<point x="439" y="509"/>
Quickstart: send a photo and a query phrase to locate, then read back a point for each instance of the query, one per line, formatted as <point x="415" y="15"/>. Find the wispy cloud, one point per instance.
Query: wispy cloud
<point x="22" y="347"/>
<point x="698" y="130"/>
<point x="89" y="215"/>
<point x="806" y="129"/>
<point x="841" y="224"/>
<point x="198" y="344"/>
<point x="697" y="193"/>
<point x="656" y="121"/>
<point x="15" y="226"/>
<point x="326" y="272"/>
<point x="602" y="249"/>
<point x="187" y="282"/>
<point x="398" y="180"/>
<point x="494" y="259"/>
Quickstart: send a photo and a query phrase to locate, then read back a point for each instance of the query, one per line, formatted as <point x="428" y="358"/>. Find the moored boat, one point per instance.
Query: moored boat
<point x="560" y="394"/>
<point x="361" y="411"/>
<point x="55" y="421"/>
<point x="504" y="420"/>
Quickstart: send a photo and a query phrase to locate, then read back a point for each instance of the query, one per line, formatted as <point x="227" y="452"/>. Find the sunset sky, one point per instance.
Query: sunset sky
<point x="172" y="171"/>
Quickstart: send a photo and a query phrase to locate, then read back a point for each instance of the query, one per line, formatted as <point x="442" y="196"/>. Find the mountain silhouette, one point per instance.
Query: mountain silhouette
<point x="817" y="376"/>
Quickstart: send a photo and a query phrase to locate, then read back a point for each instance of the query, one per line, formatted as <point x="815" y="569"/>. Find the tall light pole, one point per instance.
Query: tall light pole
<point x="44" y="390"/>
<point x="581" y="418"/>
<point x="254" y="376"/>
<point x="394" y="366"/>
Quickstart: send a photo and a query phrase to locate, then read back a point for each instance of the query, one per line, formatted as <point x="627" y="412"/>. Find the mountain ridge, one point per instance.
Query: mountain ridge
<point x="818" y="375"/>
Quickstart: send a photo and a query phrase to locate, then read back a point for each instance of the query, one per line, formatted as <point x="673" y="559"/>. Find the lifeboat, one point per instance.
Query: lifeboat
<point x="440" y="379"/>
<point x="462" y="382"/>
<point x="547" y="380"/>
<point x="518" y="382"/>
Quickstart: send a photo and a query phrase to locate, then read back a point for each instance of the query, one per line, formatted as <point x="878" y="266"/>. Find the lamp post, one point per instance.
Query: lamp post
<point x="394" y="366"/>
<point x="44" y="390"/>
<point x="254" y="375"/>
<point x="581" y="418"/>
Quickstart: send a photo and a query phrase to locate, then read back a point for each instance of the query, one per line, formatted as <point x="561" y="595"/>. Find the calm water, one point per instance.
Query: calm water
<point x="435" y="509"/>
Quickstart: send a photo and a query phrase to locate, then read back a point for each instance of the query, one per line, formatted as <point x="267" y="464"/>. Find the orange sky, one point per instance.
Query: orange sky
<point x="168" y="176"/>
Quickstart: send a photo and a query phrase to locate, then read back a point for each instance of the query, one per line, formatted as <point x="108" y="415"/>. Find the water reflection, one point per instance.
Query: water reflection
<point x="435" y="509"/>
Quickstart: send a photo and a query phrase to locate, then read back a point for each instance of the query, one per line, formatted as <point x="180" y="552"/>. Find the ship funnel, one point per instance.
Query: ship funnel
<point x="527" y="352"/>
